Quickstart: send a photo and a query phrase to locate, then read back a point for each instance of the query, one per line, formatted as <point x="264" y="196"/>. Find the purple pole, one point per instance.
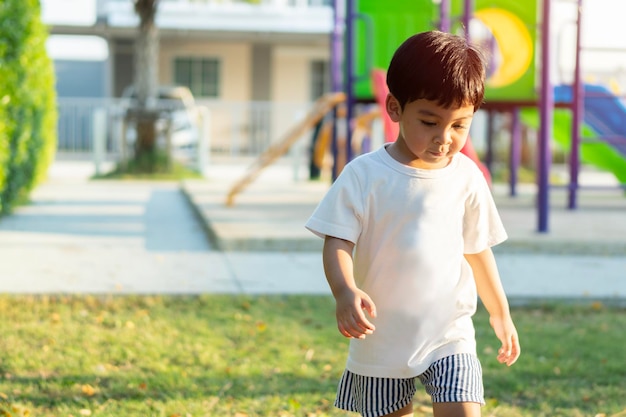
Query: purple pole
<point x="350" y="15"/>
<point x="337" y="47"/>
<point x="577" y="112"/>
<point x="516" y="150"/>
<point x="336" y="70"/>
<point x="468" y="10"/>
<point x="444" y="16"/>
<point x="546" y="109"/>
<point x="491" y="117"/>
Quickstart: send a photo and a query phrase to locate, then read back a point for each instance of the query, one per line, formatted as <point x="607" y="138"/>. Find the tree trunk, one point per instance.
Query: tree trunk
<point x="146" y="53"/>
<point x="146" y="114"/>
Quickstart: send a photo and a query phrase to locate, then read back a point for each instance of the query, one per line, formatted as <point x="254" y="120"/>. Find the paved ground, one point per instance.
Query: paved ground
<point x="269" y="214"/>
<point x="121" y="237"/>
<point x="82" y="236"/>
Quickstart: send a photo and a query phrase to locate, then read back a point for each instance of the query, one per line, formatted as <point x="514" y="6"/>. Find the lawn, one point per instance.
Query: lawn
<point x="223" y="355"/>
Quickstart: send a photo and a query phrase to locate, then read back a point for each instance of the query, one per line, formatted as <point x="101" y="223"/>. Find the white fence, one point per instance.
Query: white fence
<point x="224" y="128"/>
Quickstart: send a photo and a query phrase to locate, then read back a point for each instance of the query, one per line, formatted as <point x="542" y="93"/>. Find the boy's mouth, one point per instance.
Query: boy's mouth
<point x="439" y="153"/>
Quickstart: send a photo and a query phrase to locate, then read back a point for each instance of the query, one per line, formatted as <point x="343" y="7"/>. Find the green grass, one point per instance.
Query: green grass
<point x="219" y="355"/>
<point x="175" y="172"/>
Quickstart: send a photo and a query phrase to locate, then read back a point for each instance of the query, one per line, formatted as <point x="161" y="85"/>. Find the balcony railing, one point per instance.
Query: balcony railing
<point x="277" y="16"/>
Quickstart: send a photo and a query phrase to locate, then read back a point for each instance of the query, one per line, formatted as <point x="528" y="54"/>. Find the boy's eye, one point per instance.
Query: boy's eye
<point x="427" y="123"/>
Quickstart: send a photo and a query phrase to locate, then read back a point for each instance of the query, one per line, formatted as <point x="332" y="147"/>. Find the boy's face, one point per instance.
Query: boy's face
<point x="429" y="134"/>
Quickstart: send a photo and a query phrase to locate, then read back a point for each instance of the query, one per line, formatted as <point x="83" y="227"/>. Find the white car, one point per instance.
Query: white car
<point x="178" y="108"/>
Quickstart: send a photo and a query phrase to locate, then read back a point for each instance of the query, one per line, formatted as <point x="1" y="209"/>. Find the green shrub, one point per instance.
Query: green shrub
<point x="27" y="101"/>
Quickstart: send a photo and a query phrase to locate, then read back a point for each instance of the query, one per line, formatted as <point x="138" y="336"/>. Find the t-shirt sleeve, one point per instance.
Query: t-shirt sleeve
<point x="482" y="226"/>
<point x="340" y="212"/>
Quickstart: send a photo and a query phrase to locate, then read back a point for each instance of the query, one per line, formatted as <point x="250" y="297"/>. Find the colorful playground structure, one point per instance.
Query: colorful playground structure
<point x="518" y="82"/>
<point x="587" y="121"/>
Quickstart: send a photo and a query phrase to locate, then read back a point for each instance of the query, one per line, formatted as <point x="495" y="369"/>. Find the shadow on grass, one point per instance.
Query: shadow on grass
<point x="56" y="391"/>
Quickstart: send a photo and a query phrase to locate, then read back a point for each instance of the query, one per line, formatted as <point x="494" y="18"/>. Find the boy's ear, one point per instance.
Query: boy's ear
<point x="393" y="108"/>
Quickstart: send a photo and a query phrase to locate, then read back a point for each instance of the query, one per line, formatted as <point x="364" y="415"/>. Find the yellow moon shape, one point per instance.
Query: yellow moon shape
<point x="514" y="43"/>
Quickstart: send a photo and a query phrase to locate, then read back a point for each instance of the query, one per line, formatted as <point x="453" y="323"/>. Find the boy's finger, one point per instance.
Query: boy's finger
<point x="364" y="323"/>
<point x="515" y="352"/>
<point x="348" y="332"/>
<point x="370" y="307"/>
<point x="509" y="352"/>
<point x="355" y="326"/>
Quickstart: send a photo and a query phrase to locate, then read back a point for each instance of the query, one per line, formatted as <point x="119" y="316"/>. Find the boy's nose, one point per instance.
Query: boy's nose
<point x="443" y="138"/>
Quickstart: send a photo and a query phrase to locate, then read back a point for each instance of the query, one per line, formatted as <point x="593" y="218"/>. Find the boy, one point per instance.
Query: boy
<point x="407" y="235"/>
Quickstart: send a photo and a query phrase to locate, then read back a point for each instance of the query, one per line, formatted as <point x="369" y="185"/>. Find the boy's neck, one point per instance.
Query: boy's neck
<point x="400" y="153"/>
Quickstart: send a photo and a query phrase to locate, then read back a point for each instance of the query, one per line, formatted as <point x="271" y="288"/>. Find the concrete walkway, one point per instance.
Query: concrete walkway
<point x="81" y="236"/>
<point x="270" y="213"/>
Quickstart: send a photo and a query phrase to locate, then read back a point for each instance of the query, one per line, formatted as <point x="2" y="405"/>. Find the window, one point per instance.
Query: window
<point x="320" y="79"/>
<point x="200" y="75"/>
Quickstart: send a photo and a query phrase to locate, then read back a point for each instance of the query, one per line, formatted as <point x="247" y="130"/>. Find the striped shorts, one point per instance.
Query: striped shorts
<point x="456" y="378"/>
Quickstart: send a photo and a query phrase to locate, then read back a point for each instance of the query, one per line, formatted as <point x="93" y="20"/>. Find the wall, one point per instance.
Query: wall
<point x="292" y="71"/>
<point x="235" y="64"/>
<point x="292" y="83"/>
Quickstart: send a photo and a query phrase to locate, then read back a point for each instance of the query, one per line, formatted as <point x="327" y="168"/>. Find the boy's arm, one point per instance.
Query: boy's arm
<point x="493" y="297"/>
<point x="350" y="300"/>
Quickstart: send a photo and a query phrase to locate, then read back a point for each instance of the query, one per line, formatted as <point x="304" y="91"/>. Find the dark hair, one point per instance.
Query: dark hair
<point x="437" y="66"/>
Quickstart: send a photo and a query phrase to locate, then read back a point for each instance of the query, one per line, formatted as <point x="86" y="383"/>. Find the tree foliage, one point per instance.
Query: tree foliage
<point x="27" y="101"/>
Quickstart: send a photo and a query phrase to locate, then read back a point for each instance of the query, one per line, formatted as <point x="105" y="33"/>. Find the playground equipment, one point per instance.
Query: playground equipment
<point x="360" y="141"/>
<point x="366" y="34"/>
<point x="322" y="106"/>
<point x="601" y="139"/>
<point x="511" y="34"/>
<point x="510" y="30"/>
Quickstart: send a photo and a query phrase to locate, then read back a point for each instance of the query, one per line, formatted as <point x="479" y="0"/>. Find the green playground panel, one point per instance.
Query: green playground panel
<point x="526" y="10"/>
<point x="593" y="151"/>
<point x="383" y="25"/>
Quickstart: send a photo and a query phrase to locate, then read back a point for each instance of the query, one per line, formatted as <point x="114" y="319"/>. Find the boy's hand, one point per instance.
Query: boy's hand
<point x="506" y="332"/>
<point x="351" y="319"/>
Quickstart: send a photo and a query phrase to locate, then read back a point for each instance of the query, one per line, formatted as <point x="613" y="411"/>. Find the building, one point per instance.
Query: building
<point x="249" y="61"/>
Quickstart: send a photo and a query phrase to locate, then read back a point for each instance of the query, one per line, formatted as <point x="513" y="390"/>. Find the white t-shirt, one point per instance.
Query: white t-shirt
<point x="411" y="228"/>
